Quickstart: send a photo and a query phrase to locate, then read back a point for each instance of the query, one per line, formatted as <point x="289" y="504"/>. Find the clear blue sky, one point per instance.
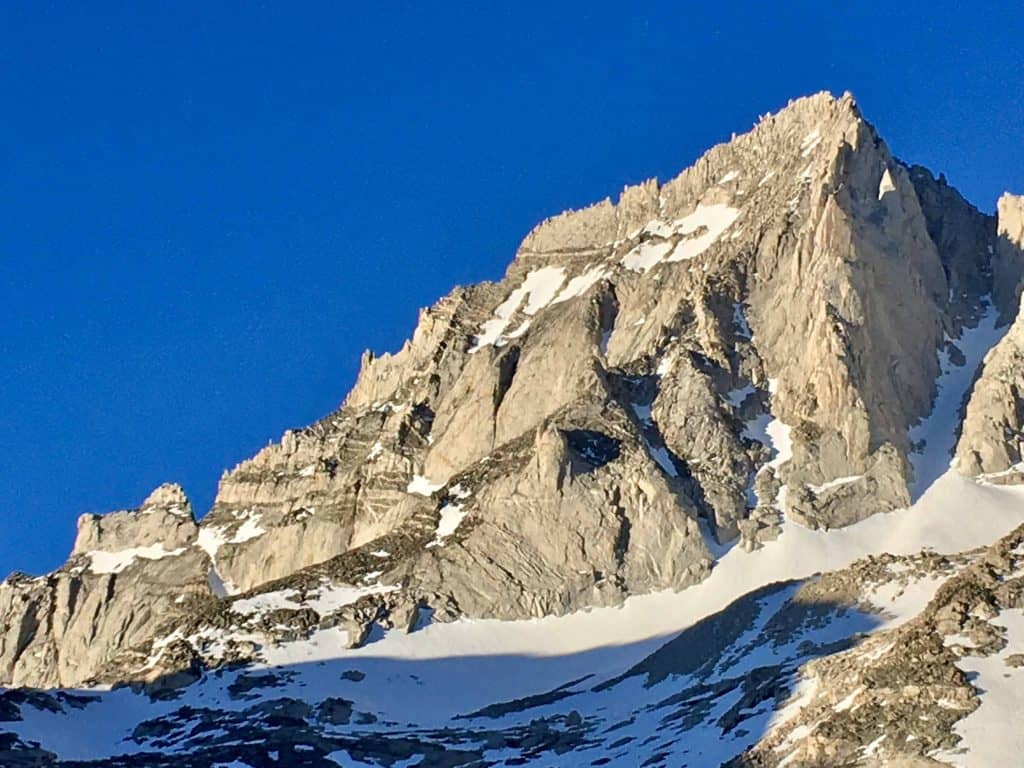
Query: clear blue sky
<point x="210" y="209"/>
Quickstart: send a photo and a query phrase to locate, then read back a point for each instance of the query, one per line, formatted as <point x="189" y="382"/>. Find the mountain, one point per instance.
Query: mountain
<point x="723" y="473"/>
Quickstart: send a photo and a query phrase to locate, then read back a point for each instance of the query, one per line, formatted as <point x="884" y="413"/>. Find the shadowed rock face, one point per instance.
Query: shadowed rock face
<point x="651" y="378"/>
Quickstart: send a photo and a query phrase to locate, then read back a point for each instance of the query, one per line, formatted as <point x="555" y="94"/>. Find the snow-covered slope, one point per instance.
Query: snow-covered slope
<point x="696" y="676"/>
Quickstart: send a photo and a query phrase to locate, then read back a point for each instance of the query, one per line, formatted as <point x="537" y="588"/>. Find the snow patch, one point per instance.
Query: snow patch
<point x="646" y="255"/>
<point x="268" y="601"/>
<point x="810" y="142"/>
<point x="459" y="491"/>
<point x="580" y="284"/>
<point x="451" y="516"/>
<point x="248" y="530"/>
<point x="735" y="397"/>
<point x="102" y="561"/>
<point x="770" y="431"/>
<point x="657" y="227"/>
<point x="327" y="599"/>
<point x="659" y="453"/>
<point x="212" y="537"/>
<point x="739" y="321"/>
<point x="330" y="599"/>
<point x="847" y="703"/>
<point x="779" y="434"/>
<point x="939" y="430"/>
<point x="217" y="585"/>
<point x="886" y="184"/>
<point x="836" y="483"/>
<point x="538" y="290"/>
<point x="902" y="602"/>
<point x="715" y="218"/>
<point x="710" y="220"/>
<point x="663" y="459"/>
<point x="421" y="486"/>
<point x="988" y="737"/>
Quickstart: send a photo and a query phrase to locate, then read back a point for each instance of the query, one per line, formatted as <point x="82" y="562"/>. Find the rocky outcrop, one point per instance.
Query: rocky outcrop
<point x="125" y="581"/>
<point x="164" y="521"/>
<point x="1008" y="260"/>
<point x="898" y="698"/>
<point x="573" y="514"/>
<point x="992" y="439"/>
<point x="992" y="442"/>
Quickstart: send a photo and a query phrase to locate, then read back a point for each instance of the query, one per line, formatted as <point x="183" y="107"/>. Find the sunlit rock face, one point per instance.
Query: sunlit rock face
<point x="992" y="442"/>
<point x="129" y="574"/>
<point x="604" y="485"/>
<point x="797" y="274"/>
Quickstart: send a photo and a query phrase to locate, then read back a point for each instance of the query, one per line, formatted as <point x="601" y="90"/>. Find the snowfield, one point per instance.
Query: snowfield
<point x="433" y="675"/>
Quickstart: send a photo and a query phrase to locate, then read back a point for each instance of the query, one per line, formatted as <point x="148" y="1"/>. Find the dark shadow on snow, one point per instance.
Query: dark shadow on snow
<point x="696" y="698"/>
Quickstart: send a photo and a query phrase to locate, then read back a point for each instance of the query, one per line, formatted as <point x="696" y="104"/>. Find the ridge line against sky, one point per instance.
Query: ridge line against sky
<point x="210" y="212"/>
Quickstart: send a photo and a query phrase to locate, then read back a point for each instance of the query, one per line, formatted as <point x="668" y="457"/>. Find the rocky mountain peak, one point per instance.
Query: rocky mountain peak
<point x="164" y="519"/>
<point x="168" y="495"/>
<point x="810" y="129"/>
<point x="775" y="344"/>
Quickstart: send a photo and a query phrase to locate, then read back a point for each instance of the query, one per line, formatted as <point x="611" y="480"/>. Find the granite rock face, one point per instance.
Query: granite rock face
<point x="798" y="273"/>
<point x="992" y="441"/>
<point x="126" y="579"/>
<point x="1008" y="260"/>
<point x="653" y="379"/>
